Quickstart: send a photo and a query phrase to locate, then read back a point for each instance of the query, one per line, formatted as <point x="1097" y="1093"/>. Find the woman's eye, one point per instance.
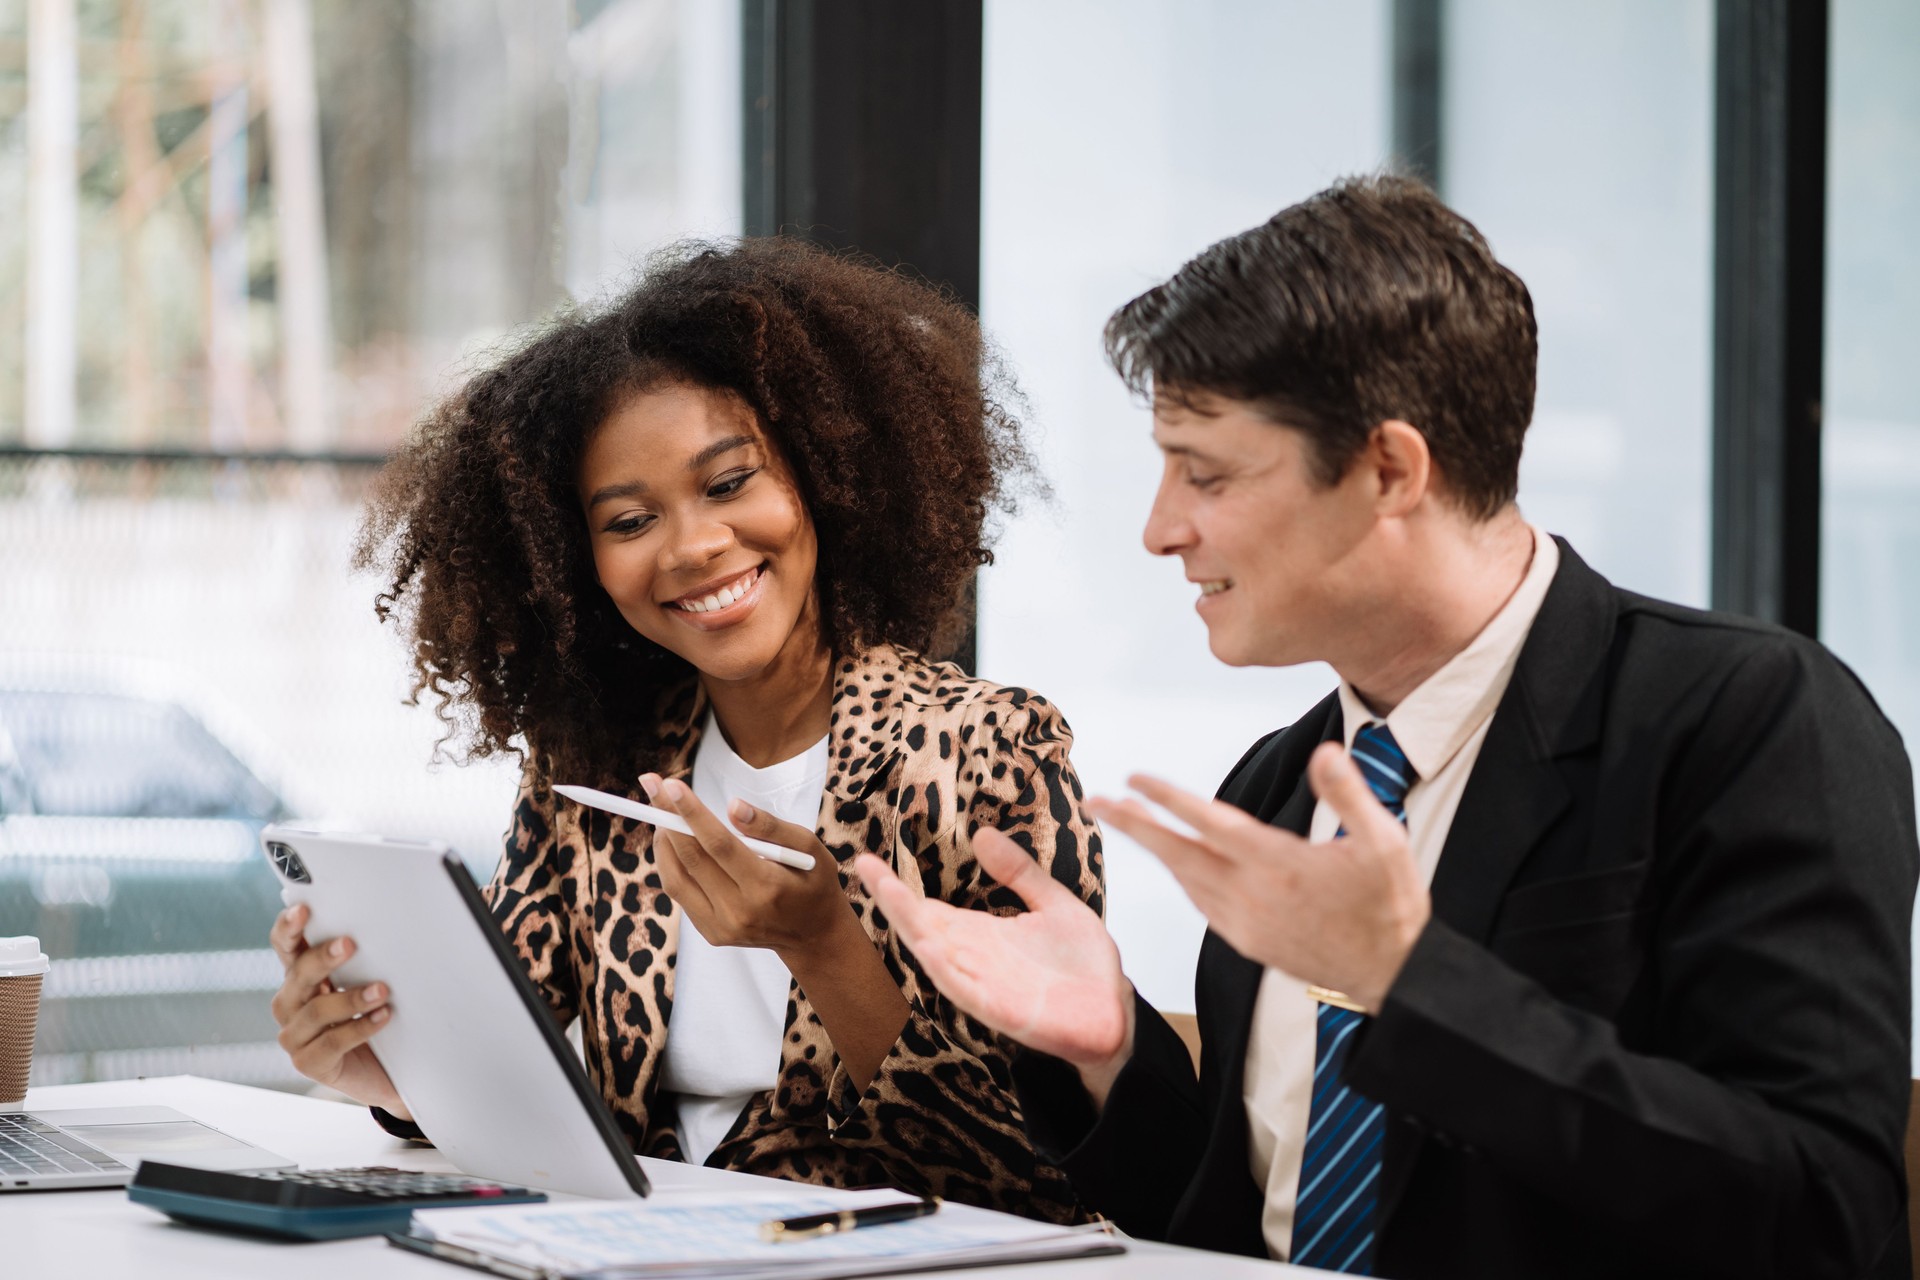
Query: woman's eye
<point x="728" y="485"/>
<point x="1204" y="483"/>
<point x="629" y="524"/>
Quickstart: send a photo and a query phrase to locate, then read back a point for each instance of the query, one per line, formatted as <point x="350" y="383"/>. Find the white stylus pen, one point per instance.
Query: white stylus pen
<point x="672" y="821"/>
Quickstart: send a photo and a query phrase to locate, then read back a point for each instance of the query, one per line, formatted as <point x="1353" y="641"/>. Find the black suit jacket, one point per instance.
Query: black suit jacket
<point x="1658" y="1025"/>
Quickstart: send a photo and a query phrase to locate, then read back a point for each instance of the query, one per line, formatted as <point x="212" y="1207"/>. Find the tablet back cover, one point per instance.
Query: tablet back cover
<point x="479" y="1059"/>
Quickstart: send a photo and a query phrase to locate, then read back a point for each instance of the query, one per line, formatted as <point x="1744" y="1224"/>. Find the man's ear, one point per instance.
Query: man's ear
<point x="1403" y="465"/>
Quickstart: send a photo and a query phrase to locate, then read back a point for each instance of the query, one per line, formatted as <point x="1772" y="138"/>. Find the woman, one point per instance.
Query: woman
<point x="695" y="540"/>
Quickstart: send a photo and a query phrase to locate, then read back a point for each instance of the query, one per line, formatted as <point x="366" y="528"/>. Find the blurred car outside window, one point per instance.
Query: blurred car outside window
<point x="129" y="846"/>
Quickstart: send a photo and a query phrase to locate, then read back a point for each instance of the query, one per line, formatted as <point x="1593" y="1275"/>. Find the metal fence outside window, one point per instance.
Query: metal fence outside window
<point x="184" y="656"/>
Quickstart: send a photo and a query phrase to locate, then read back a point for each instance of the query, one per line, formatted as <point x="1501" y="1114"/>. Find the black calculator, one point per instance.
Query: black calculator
<point x="312" y="1204"/>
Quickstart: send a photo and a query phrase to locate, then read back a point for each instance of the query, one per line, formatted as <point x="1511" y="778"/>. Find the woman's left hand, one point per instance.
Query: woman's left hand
<point x="737" y="898"/>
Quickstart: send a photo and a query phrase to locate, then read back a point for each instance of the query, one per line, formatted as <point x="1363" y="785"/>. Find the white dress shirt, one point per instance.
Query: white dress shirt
<point x="730" y="1003"/>
<point x="1440" y="727"/>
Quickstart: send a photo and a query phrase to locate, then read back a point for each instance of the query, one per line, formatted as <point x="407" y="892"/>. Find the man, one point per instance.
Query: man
<point x="1567" y="937"/>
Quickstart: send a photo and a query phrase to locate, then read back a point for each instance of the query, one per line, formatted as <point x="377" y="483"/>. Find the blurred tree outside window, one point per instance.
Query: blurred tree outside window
<point x="286" y="221"/>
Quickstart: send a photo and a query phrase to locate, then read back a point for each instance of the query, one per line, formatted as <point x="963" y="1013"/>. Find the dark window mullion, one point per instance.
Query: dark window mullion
<point x="1418" y="67"/>
<point x="1770" y="128"/>
<point x="862" y="131"/>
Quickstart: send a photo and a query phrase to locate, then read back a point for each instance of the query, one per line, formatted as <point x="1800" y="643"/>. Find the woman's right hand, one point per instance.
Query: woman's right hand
<point x="324" y="1030"/>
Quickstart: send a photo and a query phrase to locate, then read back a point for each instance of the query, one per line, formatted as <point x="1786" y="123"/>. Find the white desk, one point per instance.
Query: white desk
<point x="101" y="1234"/>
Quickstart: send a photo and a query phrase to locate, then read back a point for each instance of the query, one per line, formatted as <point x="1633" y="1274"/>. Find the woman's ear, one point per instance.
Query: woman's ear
<point x="1398" y="453"/>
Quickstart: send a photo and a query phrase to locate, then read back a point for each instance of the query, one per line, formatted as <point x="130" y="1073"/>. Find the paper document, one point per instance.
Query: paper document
<point x="701" y="1235"/>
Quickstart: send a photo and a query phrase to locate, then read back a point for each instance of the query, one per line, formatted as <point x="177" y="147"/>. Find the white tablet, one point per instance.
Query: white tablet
<point x="471" y="1047"/>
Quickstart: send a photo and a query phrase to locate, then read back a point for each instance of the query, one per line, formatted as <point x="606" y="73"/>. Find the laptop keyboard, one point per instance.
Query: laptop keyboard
<point x="30" y="1147"/>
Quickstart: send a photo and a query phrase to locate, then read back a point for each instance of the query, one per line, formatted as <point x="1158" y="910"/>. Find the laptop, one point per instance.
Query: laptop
<point x="101" y="1147"/>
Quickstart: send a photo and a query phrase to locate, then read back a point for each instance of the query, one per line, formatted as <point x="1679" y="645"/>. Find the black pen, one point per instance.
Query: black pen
<point x="826" y="1224"/>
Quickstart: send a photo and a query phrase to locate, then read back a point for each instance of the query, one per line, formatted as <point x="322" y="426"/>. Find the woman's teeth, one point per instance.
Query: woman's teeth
<point x="721" y="598"/>
<point x="1213" y="588"/>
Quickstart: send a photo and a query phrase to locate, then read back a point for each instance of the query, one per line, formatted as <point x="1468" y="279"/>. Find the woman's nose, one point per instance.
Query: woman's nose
<point x="696" y="542"/>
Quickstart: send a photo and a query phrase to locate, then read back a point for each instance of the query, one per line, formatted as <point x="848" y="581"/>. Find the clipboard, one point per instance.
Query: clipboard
<point x="718" y="1238"/>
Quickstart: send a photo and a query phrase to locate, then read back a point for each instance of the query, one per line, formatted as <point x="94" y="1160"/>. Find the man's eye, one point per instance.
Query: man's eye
<point x="1204" y="483"/>
<point x="728" y="485"/>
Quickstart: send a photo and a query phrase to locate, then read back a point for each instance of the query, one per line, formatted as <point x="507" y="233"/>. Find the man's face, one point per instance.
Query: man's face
<point x="1280" y="561"/>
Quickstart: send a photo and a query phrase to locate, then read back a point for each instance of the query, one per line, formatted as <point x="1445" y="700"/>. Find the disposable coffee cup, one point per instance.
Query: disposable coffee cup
<point x="23" y="967"/>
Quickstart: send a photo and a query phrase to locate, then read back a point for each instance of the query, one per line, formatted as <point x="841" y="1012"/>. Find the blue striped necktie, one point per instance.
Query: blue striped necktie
<point x="1340" y="1165"/>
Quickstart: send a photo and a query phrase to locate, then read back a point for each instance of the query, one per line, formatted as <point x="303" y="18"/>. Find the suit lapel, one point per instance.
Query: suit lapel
<point x="1551" y="709"/>
<point x="1237" y="978"/>
<point x="1230" y="978"/>
<point x="1296" y="815"/>
<point x="1513" y="796"/>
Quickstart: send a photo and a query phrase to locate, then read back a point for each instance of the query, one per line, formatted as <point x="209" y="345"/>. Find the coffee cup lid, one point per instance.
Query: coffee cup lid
<point x="21" y="957"/>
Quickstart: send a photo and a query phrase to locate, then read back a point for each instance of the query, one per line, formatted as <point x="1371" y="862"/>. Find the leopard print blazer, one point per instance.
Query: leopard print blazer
<point x="921" y="754"/>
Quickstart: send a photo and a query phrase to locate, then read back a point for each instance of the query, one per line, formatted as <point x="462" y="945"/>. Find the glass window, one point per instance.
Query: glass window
<point x="1870" y="536"/>
<point x="1170" y="127"/>
<point x="1119" y="140"/>
<point x="1578" y="138"/>
<point x="252" y="227"/>
<point x="1870" y="613"/>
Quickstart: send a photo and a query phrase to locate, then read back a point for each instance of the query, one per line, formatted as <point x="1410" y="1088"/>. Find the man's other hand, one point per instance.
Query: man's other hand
<point x="1341" y="915"/>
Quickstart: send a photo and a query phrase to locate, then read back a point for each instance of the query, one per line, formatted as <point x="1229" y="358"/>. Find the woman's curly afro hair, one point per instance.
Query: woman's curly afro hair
<point x="894" y="416"/>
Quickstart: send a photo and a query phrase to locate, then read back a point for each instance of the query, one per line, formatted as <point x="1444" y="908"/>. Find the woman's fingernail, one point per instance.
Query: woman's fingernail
<point x="378" y="1015"/>
<point x="337" y="948"/>
<point x="742" y="811"/>
<point x="674" y="788"/>
<point x="373" y="994"/>
<point x="649" y="784"/>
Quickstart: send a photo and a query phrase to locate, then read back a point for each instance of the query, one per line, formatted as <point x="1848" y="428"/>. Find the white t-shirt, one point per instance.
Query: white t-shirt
<point x="730" y="1003"/>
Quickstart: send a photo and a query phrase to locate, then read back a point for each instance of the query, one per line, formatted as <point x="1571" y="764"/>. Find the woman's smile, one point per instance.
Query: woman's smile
<point x="722" y="603"/>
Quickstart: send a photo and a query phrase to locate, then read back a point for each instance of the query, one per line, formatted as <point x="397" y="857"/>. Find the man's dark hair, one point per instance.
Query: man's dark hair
<point x="1367" y="302"/>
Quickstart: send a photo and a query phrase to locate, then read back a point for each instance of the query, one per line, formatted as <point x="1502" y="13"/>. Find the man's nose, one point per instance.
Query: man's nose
<point x="1168" y="532"/>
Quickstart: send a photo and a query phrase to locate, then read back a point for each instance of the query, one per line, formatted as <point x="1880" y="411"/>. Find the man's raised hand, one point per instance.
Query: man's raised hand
<point x="1342" y="915"/>
<point x="1049" y="977"/>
